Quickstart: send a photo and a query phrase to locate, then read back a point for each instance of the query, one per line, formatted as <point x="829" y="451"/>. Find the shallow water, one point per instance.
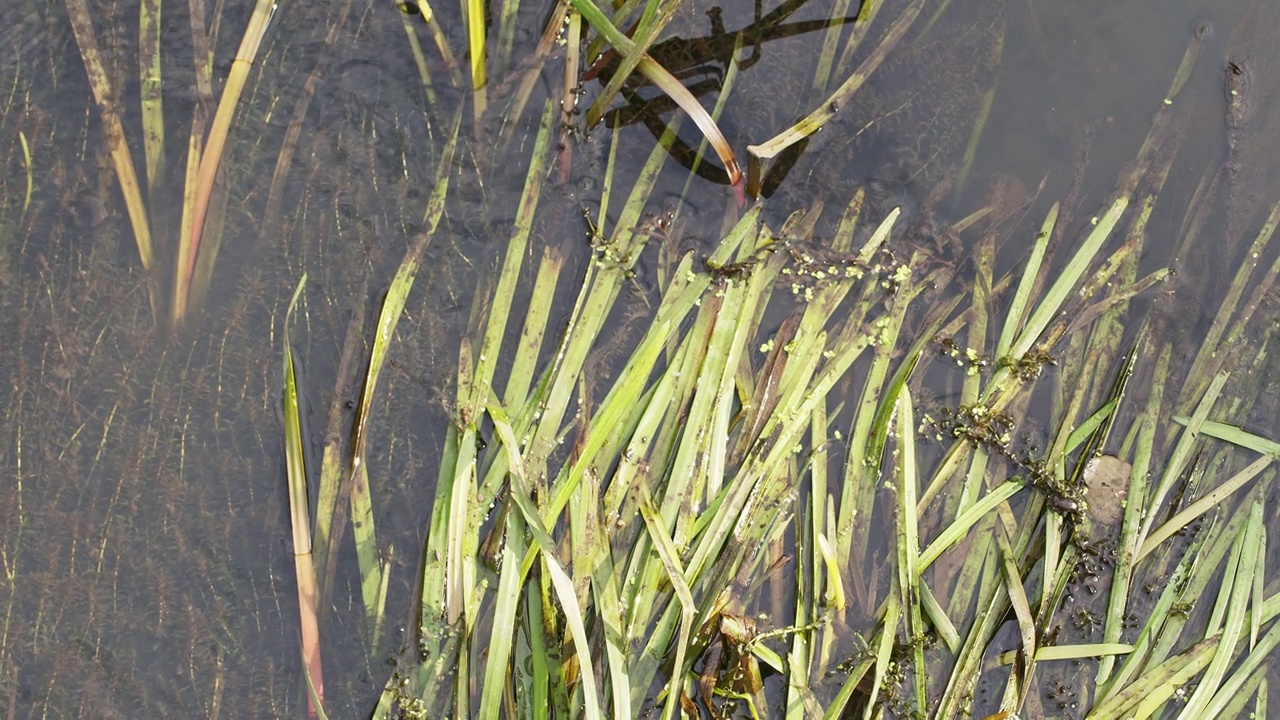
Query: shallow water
<point x="146" y="556"/>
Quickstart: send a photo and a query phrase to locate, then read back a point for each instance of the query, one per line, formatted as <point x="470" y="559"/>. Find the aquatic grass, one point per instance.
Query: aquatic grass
<point x="984" y="112"/>
<point x="189" y="283"/>
<point x="272" y="226"/>
<point x="614" y="538"/>
<point x="1232" y="316"/>
<point x="654" y="17"/>
<point x="205" y="198"/>
<point x="633" y="54"/>
<point x="202" y="209"/>
<point x="865" y="20"/>
<point x="344" y="477"/>
<point x="124" y="472"/>
<point x="569" y="91"/>
<point x="760" y="153"/>
<point x="711" y="329"/>
<point x="907" y="537"/>
<point x="1240" y="573"/>
<point x="26" y="165"/>
<point x="1144" y="440"/>
<point x="534" y="63"/>
<point x="299" y="506"/>
<point x="152" y="99"/>
<point x="106" y="95"/>
<point x="831" y="41"/>
<point x="1202" y="505"/>
<point x="722" y="100"/>
<point x="475" y="22"/>
<point x="705" y="358"/>
<point x="1036" y="325"/>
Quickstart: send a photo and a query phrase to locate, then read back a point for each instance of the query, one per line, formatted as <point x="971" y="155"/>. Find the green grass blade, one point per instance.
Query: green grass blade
<point x="1246" y="548"/>
<point x="211" y="158"/>
<point x="299" y="512"/>
<point x="1058" y="292"/>
<point x="1157" y="685"/>
<point x="1019" y="681"/>
<point x="504" y="294"/>
<point x="817" y="119"/>
<point x="667" y="83"/>
<point x="1235" y="436"/>
<point x="497" y="672"/>
<point x="884" y="650"/>
<point x="1202" y="506"/>
<point x="1235" y="685"/>
<point x="476" y="20"/>
<point x="688" y="608"/>
<point x="1113" y="626"/>
<point x="907" y="538"/>
<point x="1027" y="285"/>
<point x="1081" y="652"/>
<point x="1182" y="451"/>
<point x="965" y="522"/>
<point x="563" y="584"/>
<point x="650" y="27"/>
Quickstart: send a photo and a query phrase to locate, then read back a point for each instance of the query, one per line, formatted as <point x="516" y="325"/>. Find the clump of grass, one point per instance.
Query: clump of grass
<point x="669" y="532"/>
<point x="663" y="536"/>
<point x="205" y="146"/>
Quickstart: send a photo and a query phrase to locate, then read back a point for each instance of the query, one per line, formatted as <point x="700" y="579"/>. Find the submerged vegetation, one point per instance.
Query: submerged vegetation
<point x="808" y="464"/>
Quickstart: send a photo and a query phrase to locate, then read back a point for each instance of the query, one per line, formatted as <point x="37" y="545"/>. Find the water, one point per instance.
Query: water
<point x="146" y="558"/>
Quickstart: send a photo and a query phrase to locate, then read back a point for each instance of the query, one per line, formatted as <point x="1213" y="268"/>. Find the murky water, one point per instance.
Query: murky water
<point x="146" y="561"/>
